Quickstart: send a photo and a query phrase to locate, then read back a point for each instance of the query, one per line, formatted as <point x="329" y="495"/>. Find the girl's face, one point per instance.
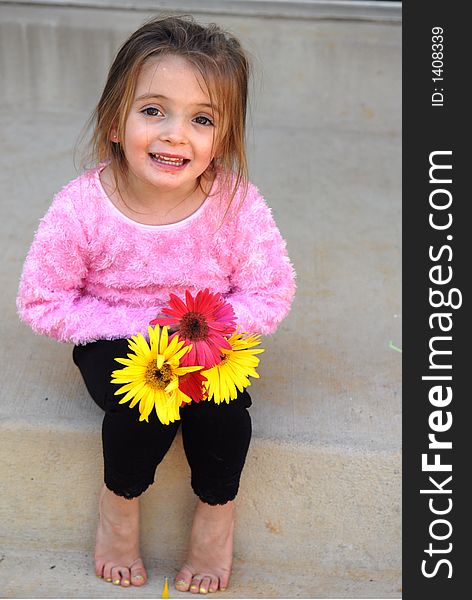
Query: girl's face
<point x="169" y="132"/>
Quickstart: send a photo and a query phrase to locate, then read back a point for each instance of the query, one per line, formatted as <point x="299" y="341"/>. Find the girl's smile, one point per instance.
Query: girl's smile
<point x="173" y="161"/>
<point x="169" y="132"/>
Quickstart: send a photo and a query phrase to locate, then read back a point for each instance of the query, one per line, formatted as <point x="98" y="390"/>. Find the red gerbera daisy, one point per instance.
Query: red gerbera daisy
<point x="191" y="384"/>
<point x="202" y="321"/>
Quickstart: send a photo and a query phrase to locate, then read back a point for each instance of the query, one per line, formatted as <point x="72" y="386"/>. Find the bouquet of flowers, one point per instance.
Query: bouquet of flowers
<point x="206" y="358"/>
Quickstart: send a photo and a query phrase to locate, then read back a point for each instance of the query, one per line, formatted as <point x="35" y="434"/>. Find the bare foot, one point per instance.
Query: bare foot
<point x="208" y="564"/>
<point x="117" y="553"/>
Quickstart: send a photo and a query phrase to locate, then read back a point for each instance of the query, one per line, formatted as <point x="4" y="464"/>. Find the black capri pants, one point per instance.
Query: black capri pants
<point x="215" y="437"/>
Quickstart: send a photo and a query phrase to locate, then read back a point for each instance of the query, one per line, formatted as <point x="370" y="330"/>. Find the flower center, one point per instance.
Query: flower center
<point x="193" y="326"/>
<point x="156" y="378"/>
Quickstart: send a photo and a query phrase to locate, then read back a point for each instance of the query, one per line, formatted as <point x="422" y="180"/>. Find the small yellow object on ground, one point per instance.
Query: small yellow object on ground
<point x="165" y="591"/>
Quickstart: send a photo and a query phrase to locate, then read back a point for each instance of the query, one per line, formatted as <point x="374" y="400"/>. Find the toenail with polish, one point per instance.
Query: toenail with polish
<point x="202" y="590"/>
<point x="108" y="580"/>
<point x="181" y="582"/>
<point x="126" y="581"/>
<point x="140" y="577"/>
<point x="116" y="582"/>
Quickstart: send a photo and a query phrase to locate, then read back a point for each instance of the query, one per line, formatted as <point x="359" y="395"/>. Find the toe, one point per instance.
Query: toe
<point x="120" y="576"/>
<point x="138" y="573"/>
<point x="107" y="573"/>
<point x="99" y="569"/>
<point x="195" y="585"/>
<point x="125" y="576"/>
<point x="224" y="581"/>
<point x="183" y="579"/>
<point x="213" y="587"/>
<point x="204" y="585"/>
<point x="138" y="579"/>
<point x="115" y="576"/>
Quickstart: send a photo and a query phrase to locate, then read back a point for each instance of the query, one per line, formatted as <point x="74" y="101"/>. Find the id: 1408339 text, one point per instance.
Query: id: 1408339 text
<point x="437" y="64"/>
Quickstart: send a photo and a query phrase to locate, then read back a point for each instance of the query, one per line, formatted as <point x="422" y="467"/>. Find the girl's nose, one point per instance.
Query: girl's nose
<point x="174" y="131"/>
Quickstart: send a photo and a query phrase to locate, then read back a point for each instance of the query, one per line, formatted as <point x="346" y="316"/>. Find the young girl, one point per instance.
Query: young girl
<point x="168" y="208"/>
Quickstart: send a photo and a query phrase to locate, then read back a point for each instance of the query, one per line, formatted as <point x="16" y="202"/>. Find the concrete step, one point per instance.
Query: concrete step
<point x="66" y="574"/>
<point x="299" y="505"/>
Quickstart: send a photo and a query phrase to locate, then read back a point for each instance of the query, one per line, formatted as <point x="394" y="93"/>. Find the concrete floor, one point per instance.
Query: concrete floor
<point x="70" y="573"/>
<point x="325" y="151"/>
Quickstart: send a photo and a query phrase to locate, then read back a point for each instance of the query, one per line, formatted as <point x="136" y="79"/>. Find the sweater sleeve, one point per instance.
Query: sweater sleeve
<point x="51" y="296"/>
<point x="263" y="279"/>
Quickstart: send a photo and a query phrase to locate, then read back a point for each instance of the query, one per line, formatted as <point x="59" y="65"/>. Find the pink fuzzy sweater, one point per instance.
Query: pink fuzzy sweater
<point x="92" y="273"/>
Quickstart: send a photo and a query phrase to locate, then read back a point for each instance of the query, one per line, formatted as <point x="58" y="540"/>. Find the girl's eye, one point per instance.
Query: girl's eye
<point x="201" y="120"/>
<point x="151" y="111"/>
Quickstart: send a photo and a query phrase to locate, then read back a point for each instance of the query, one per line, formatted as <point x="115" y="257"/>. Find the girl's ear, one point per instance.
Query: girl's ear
<point x="114" y="136"/>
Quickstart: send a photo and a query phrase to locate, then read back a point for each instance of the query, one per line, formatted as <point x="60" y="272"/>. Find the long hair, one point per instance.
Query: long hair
<point x="224" y="67"/>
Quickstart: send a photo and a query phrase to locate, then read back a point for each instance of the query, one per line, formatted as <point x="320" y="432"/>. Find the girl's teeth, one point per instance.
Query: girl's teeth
<point x="167" y="160"/>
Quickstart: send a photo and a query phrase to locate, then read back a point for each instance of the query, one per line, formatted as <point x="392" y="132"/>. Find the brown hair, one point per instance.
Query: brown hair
<point x="224" y="68"/>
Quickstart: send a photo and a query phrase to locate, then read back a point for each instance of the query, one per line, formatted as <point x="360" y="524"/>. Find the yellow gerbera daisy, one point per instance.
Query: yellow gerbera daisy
<point x="233" y="371"/>
<point x="151" y="375"/>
